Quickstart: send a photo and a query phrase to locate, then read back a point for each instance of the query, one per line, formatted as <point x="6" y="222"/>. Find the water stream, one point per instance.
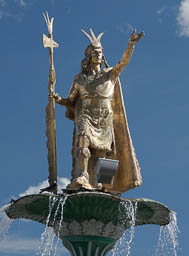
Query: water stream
<point x="60" y="222"/>
<point x="5" y="223"/>
<point x="168" y="238"/>
<point x="123" y="246"/>
<point x="48" y="242"/>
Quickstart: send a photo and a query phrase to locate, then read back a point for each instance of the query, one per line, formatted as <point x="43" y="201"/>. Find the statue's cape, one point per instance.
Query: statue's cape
<point x="128" y="174"/>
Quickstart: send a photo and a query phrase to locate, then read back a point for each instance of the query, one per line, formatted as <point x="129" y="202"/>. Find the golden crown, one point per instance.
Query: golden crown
<point x="95" y="41"/>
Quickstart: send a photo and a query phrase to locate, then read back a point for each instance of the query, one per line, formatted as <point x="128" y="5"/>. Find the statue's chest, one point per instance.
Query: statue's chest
<point x="98" y="86"/>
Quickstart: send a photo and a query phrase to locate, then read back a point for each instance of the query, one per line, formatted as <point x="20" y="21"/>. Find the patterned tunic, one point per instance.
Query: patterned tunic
<point x="95" y="117"/>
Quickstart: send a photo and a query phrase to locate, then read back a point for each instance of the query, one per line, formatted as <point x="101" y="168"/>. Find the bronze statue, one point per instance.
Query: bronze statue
<point x="95" y="104"/>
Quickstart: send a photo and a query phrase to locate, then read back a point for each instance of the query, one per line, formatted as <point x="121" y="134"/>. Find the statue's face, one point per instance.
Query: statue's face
<point x="96" y="56"/>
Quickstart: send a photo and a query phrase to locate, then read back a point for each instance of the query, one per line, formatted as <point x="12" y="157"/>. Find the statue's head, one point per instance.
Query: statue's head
<point x="93" y="53"/>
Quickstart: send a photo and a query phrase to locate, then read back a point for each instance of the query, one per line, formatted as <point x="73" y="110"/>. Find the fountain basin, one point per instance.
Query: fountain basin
<point x="88" y="223"/>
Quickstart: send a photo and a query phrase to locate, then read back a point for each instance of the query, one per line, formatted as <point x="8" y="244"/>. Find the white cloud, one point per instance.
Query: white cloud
<point x="12" y="8"/>
<point x="21" y="3"/>
<point x="2" y="3"/>
<point x="160" y="12"/>
<point x="14" y="245"/>
<point x="124" y="28"/>
<point x="183" y="18"/>
<point x="62" y="183"/>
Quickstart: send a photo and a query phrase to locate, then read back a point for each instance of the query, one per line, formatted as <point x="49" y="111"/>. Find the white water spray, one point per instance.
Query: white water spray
<point x="60" y="222"/>
<point x="5" y="223"/>
<point x="123" y="247"/>
<point x="168" y="238"/>
<point x="47" y="235"/>
<point x="47" y="245"/>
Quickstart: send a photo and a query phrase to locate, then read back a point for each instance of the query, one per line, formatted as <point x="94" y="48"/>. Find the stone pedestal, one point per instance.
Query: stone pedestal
<point x="88" y="223"/>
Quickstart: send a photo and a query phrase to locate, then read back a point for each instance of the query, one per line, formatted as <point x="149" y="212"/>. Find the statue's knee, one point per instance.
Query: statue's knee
<point x="83" y="141"/>
<point x="84" y="152"/>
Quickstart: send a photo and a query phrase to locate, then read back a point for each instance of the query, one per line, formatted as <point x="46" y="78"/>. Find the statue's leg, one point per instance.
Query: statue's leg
<point x="84" y="155"/>
<point x="91" y="166"/>
<point x="75" y="162"/>
<point x="95" y="155"/>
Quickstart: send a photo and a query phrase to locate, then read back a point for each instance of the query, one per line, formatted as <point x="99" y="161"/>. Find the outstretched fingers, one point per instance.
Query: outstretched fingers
<point x="134" y="38"/>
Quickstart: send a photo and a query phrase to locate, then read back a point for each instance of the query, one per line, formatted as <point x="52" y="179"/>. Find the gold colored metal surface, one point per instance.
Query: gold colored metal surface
<point x="96" y="106"/>
<point x="50" y="108"/>
<point x="128" y="175"/>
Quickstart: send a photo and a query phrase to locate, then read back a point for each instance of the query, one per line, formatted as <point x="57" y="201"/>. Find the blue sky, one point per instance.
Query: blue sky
<point x="155" y="88"/>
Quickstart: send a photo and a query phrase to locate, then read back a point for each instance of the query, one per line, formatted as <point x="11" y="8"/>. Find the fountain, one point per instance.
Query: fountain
<point x="89" y="223"/>
<point x="89" y="216"/>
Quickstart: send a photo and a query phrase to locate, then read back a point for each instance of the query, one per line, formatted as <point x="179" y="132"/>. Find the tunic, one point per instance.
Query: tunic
<point x="95" y="117"/>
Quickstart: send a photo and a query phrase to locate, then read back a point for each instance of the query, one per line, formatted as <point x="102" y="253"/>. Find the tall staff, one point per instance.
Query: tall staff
<point x="49" y="43"/>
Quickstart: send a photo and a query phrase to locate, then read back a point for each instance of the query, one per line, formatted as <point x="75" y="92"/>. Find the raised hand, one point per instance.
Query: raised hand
<point x="135" y="38"/>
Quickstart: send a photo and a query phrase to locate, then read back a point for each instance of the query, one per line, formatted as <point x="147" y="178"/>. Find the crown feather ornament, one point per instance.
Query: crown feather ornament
<point x="95" y="41"/>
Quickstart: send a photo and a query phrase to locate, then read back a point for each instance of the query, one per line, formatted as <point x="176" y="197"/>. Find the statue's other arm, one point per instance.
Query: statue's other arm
<point x="74" y="92"/>
<point x="134" y="38"/>
<point x="67" y="102"/>
<point x="62" y="101"/>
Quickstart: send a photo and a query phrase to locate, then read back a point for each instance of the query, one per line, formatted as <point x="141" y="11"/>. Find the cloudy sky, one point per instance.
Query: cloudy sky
<point x="155" y="87"/>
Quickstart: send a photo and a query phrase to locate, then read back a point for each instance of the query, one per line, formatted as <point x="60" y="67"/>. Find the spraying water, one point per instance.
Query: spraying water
<point x="168" y="238"/>
<point x="47" y="244"/>
<point x="47" y="237"/>
<point x="123" y="247"/>
<point x="5" y="223"/>
<point x="60" y="222"/>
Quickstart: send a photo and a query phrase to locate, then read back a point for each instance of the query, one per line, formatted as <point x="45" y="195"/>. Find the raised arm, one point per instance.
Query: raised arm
<point x="134" y="38"/>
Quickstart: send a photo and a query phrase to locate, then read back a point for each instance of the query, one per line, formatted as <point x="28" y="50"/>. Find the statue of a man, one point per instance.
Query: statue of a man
<point x="95" y="104"/>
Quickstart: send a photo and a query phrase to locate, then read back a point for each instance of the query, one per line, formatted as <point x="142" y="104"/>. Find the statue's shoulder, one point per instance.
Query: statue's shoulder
<point x="79" y="78"/>
<point x="107" y="71"/>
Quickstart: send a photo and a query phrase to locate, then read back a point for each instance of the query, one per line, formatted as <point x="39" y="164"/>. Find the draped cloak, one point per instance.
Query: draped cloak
<point x="128" y="174"/>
